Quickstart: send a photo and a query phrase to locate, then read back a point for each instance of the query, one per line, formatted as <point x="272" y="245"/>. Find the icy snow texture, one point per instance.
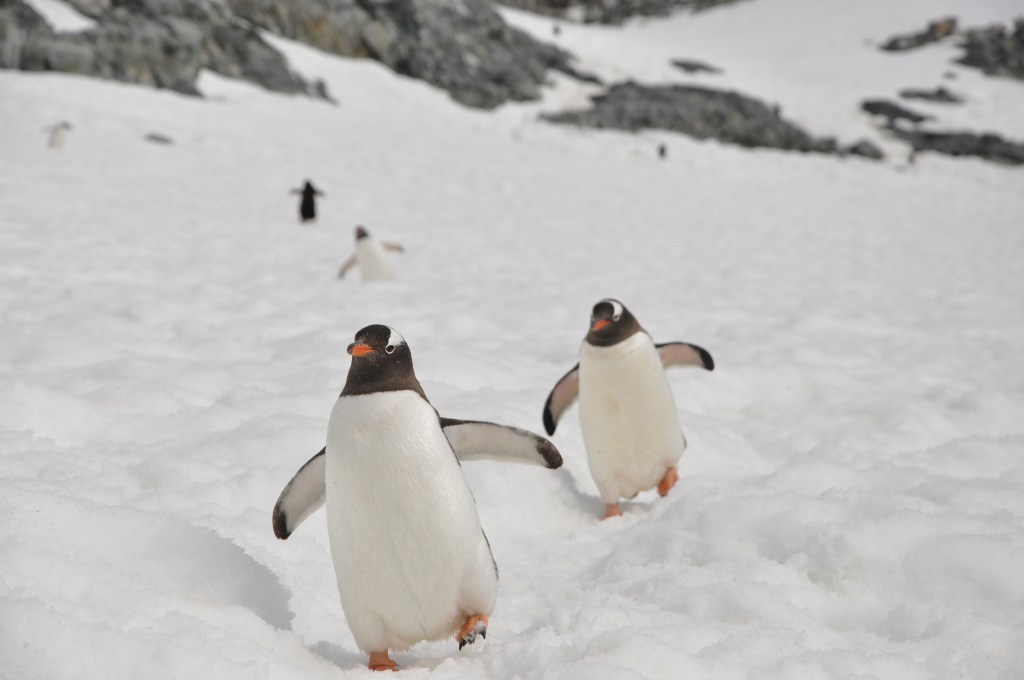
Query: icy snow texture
<point x="172" y="341"/>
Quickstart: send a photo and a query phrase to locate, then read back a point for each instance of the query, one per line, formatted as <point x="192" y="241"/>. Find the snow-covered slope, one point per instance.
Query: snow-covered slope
<point x="171" y="344"/>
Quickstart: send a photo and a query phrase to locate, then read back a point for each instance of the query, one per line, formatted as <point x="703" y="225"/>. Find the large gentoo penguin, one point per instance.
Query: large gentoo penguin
<point x="371" y="257"/>
<point x="411" y="559"/>
<point x="307" y="206"/>
<point x="630" y="427"/>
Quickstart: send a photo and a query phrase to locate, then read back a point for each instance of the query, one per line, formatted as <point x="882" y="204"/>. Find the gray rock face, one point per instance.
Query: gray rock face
<point x="694" y="66"/>
<point x="462" y="46"/>
<point x="989" y="146"/>
<point x="936" y="30"/>
<point x="866" y="149"/>
<point x="892" y="112"/>
<point x="609" y="11"/>
<point x="161" y="44"/>
<point x="939" y="95"/>
<point x="698" y="112"/>
<point x="995" y="50"/>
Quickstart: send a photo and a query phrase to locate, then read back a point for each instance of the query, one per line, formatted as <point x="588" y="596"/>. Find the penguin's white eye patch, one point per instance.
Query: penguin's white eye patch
<point x="389" y="349"/>
<point x="394" y="340"/>
<point x="616" y="317"/>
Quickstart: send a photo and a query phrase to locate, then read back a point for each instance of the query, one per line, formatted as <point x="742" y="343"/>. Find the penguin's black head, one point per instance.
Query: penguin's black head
<point x="381" y="362"/>
<point x="611" y="323"/>
<point x="361" y="232"/>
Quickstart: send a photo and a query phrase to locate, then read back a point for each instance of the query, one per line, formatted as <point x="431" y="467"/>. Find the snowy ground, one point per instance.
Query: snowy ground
<point x="172" y="342"/>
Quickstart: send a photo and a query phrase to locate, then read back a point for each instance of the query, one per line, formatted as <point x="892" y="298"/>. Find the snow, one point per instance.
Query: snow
<point x="850" y="503"/>
<point x="61" y="16"/>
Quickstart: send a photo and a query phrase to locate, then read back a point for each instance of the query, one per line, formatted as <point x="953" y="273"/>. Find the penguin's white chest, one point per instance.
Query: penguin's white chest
<point x="374" y="264"/>
<point x="58" y="135"/>
<point x="409" y="553"/>
<point x="628" y="417"/>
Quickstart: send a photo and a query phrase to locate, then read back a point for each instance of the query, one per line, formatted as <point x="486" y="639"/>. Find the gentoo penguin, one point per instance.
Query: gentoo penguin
<point x="411" y="559"/>
<point x="371" y="257"/>
<point x="58" y="134"/>
<point x="627" y="413"/>
<point x="307" y="206"/>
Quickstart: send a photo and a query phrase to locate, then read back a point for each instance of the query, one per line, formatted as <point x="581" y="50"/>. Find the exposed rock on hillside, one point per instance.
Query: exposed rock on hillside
<point x="939" y="95"/>
<point x="698" y="112"/>
<point x="892" y="112"/>
<point x="694" y="66"/>
<point x="995" y="50"/>
<point x="161" y="44"/>
<point x="609" y="12"/>
<point x="462" y="46"/>
<point x="936" y="30"/>
<point x="989" y="146"/>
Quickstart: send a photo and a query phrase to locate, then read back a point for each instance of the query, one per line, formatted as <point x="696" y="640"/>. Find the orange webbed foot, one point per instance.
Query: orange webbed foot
<point x="474" y="625"/>
<point x="380" y="661"/>
<point x="668" y="481"/>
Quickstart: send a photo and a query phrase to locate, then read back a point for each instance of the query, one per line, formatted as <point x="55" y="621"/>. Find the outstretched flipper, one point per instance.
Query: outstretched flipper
<point x="348" y="264"/>
<point x="684" y="354"/>
<point x="478" y="440"/>
<point x="303" y="495"/>
<point x="562" y="397"/>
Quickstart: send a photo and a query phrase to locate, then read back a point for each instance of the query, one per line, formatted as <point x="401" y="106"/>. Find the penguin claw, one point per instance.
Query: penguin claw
<point x="474" y="625"/>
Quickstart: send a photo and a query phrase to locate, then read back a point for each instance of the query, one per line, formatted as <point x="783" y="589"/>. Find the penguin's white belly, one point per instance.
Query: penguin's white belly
<point x="57" y="137"/>
<point x="410" y="556"/>
<point x="374" y="264"/>
<point x="628" y="416"/>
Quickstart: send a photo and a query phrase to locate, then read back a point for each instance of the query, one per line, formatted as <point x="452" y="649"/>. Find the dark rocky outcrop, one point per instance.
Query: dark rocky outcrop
<point x="161" y="44"/>
<point x="995" y="50"/>
<point x="865" y="149"/>
<point x="694" y="66"/>
<point x="939" y="95"/>
<point x="698" y="112"/>
<point x="462" y="46"/>
<point x="936" y="30"/>
<point x="892" y="112"/>
<point x="610" y="11"/>
<point x="989" y="146"/>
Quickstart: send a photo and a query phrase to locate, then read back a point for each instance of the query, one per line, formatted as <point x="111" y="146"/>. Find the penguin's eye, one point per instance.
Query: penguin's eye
<point x="390" y="349"/>
<point x="616" y="317"/>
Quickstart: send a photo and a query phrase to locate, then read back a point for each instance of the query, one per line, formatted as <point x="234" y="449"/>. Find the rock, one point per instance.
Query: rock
<point x="891" y="112"/>
<point x="698" y="112"/>
<point x="693" y="66"/>
<point x="150" y="42"/>
<point x="157" y="138"/>
<point x="609" y="11"/>
<point x="462" y="46"/>
<point x="866" y="149"/>
<point x="995" y="50"/>
<point x="939" y="95"/>
<point x="936" y="30"/>
<point x="989" y="146"/>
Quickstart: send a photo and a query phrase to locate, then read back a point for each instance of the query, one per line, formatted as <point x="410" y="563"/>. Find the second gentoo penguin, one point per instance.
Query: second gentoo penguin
<point x="627" y="413"/>
<point x="307" y="204"/>
<point x="371" y="256"/>
<point x="411" y="558"/>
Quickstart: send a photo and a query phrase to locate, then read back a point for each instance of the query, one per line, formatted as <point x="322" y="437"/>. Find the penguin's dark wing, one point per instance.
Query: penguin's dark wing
<point x="348" y="264"/>
<point x="302" y="496"/>
<point x="684" y="354"/>
<point x="562" y="397"/>
<point x="479" y="440"/>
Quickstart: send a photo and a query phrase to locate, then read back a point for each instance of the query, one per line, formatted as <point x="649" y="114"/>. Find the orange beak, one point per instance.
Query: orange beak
<point x="359" y="349"/>
<point x="599" y="324"/>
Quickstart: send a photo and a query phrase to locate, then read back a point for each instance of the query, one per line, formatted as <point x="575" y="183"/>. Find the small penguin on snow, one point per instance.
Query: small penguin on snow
<point x="307" y="205"/>
<point x="58" y="134"/>
<point x="410" y="556"/>
<point x="371" y="256"/>
<point x="627" y="413"/>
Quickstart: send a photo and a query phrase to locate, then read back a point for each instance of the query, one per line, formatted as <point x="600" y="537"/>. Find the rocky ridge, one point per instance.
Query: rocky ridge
<point x="462" y="46"/>
<point x="605" y="12"/>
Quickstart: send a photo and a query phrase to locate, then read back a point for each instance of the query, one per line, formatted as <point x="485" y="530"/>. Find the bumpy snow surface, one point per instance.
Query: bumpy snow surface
<point x="172" y="341"/>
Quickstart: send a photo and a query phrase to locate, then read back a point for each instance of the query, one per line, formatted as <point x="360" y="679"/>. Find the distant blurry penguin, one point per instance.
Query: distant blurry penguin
<point x="662" y="151"/>
<point x="307" y="206"/>
<point x="628" y="415"/>
<point x="411" y="559"/>
<point x="58" y="134"/>
<point x="371" y="256"/>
